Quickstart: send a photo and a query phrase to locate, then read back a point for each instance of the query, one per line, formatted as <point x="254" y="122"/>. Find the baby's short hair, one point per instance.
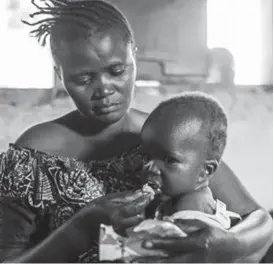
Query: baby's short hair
<point x="204" y="107"/>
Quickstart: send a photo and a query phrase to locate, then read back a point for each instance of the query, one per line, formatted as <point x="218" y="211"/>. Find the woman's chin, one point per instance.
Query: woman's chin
<point x="109" y="117"/>
<point x="103" y="117"/>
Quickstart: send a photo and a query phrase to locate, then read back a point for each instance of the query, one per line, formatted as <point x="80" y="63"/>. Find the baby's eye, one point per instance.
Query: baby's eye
<point x="170" y="160"/>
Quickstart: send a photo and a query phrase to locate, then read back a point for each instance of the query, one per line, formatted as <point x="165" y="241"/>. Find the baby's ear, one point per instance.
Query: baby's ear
<point x="210" y="167"/>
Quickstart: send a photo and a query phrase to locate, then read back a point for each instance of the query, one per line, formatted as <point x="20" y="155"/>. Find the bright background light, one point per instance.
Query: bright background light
<point x="24" y="63"/>
<point x="232" y="24"/>
<point x="236" y="26"/>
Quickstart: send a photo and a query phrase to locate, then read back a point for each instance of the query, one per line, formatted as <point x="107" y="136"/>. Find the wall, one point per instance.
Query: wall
<point x="172" y="31"/>
<point x="172" y="38"/>
<point x="267" y="39"/>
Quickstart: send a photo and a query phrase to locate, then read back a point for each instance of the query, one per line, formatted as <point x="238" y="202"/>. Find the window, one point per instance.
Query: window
<point x="236" y="26"/>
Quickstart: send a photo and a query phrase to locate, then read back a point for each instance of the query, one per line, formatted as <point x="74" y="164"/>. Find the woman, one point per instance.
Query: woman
<point x="57" y="178"/>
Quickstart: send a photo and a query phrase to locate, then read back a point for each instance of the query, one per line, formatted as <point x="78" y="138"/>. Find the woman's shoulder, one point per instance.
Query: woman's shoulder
<point x="57" y="136"/>
<point x="50" y="136"/>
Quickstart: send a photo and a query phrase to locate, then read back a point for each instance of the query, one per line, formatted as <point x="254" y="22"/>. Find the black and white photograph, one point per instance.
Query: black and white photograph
<point x="136" y="131"/>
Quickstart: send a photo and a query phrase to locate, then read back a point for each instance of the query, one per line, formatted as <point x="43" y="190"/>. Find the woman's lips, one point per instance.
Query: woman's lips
<point x="106" y="108"/>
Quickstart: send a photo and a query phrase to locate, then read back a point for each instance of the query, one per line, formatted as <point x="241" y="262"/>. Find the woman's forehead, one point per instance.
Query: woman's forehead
<point x="94" y="52"/>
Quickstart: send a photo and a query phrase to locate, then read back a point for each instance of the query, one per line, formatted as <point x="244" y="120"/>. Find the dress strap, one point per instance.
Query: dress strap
<point x="221" y="209"/>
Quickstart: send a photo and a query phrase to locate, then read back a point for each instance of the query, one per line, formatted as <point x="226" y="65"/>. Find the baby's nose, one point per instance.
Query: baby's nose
<point x="153" y="168"/>
<point x="154" y="173"/>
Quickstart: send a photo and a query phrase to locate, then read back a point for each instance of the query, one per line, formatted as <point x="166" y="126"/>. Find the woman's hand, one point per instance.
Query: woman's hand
<point x="124" y="210"/>
<point x="121" y="210"/>
<point x="77" y="235"/>
<point x="209" y="245"/>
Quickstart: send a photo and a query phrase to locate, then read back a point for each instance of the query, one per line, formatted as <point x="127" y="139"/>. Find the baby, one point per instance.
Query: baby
<point x="185" y="137"/>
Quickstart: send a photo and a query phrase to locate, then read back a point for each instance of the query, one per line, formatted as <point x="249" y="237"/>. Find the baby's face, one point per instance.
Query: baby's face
<point x="177" y="152"/>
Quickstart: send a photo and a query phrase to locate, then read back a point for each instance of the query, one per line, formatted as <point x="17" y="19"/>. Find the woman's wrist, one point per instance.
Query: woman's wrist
<point x="88" y="220"/>
<point x="65" y="244"/>
<point x="78" y="237"/>
<point x="239" y="245"/>
<point x="253" y="236"/>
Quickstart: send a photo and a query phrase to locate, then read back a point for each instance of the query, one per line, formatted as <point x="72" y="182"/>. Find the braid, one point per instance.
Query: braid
<point x="93" y="16"/>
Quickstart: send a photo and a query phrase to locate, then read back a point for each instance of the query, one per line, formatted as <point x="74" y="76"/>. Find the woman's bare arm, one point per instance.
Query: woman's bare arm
<point x="255" y="235"/>
<point x="17" y="224"/>
<point x="255" y="231"/>
<point x="226" y="187"/>
<point x="63" y="245"/>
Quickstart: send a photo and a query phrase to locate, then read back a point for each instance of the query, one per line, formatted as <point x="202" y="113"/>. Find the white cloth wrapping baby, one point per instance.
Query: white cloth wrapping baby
<point x="113" y="247"/>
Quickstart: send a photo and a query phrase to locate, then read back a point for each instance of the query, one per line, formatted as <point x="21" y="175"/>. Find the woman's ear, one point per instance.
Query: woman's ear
<point x="57" y="71"/>
<point x="134" y="50"/>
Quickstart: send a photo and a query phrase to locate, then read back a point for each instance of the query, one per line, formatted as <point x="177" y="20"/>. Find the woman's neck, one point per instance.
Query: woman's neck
<point x="100" y="142"/>
<point x="90" y="127"/>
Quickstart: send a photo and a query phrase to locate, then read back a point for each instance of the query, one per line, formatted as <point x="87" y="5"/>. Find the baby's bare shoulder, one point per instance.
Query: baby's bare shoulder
<point x="202" y="201"/>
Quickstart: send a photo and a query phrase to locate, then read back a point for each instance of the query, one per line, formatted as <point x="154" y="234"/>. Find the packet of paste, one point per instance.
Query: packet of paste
<point x="113" y="247"/>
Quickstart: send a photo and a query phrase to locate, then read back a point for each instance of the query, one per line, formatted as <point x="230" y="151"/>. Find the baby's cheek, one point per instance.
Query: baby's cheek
<point x="181" y="179"/>
<point x="172" y="177"/>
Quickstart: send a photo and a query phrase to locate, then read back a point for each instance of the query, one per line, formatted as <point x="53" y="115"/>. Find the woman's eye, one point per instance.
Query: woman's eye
<point x="170" y="160"/>
<point x="116" y="71"/>
<point x="82" y="80"/>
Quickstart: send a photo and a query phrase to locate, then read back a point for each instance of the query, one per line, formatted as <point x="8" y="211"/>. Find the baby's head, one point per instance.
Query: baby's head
<point x="185" y="137"/>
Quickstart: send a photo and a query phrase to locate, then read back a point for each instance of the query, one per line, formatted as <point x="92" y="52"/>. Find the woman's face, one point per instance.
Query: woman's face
<point x="99" y="75"/>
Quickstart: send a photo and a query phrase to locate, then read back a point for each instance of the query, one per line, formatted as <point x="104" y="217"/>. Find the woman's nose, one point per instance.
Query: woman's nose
<point x="103" y="88"/>
<point x="102" y="92"/>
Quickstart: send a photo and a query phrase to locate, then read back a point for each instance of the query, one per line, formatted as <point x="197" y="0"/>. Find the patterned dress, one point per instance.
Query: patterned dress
<point x="39" y="192"/>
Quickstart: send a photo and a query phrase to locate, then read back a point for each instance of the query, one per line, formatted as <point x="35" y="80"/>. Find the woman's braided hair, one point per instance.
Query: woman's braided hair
<point x="59" y="17"/>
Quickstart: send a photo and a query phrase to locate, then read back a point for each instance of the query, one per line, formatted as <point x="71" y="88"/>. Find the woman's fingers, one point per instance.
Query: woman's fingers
<point x="129" y="214"/>
<point x="126" y="197"/>
<point x="149" y="260"/>
<point x="126" y="223"/>
<point x="184" y="258"/>
<point x="184" y="244"/>
<point x="131" y="221"/>
<point x="136" y="207"/>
